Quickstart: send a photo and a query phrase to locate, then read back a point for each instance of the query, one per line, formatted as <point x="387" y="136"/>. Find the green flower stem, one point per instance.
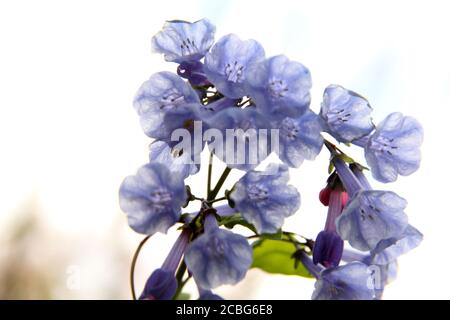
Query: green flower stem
<point x="219" y="184"/>
<point x="179" y="276"/>
<point x="210" y="164"/>
<point x="217" y="200"/>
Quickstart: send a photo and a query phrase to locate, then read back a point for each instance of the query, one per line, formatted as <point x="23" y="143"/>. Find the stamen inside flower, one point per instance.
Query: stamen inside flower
<point x="234" y="71"/>
<point x="278" y="88"/>
<point x="160" y="198"/>
<point x="188" y="47"/>
<point x="289" y="129"/>
<point x="383" y="144"/>
<point x="171" y="99"/>
<point x="338" y="117"/>
<point x="257" y="193"/>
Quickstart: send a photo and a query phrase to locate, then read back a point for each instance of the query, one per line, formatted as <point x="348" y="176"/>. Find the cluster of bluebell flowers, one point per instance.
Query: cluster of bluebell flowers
<point x="229" y="99"/>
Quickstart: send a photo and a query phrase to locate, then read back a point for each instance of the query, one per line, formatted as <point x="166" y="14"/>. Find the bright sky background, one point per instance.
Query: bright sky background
<point x="68" y="133"/>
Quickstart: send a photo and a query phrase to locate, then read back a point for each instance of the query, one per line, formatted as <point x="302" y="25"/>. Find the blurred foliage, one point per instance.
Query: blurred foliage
<point x="36" y="260"/>
<point x="20" y="276"/>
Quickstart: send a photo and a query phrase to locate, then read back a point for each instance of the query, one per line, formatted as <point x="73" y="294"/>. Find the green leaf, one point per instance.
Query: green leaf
<point x="183" y="296"/>
<point x="273" y="236"/>
<point x="330" y="167"/>
<point x="346" y="158"/>
<point x="236" y="219"/>
<point x="276" y="256"/>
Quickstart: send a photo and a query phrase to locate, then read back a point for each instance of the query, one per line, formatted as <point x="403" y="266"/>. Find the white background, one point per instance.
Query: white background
<point x="68" y="133"/>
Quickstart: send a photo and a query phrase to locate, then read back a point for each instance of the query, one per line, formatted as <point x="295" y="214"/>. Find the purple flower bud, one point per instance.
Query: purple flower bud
<point x="328" y="249"/>
<point x="161" y="285"/>
<point x="193" y="71"/>
<point x="329" y="245"/>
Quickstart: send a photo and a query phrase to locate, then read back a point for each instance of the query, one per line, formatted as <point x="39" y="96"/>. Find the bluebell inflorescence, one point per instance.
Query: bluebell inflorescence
<point x="225" y="97"/>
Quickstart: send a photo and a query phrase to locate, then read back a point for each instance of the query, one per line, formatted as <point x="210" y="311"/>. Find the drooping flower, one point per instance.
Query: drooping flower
<point x="218" y="256"/>
<point x="162" y="94"/>
<point x="206" y="294"/>
<point x="371" y="215"/>
<point x="388" y="250"/>
<point x="227" y="63"/>
<point x="394" y="148"/>
<point x="299" y="138"/>
<point x="328" y="246"/>
<point x="382" y="275"/>
<point x="280" y="87"/>
<point x="242" y="137"/>
<point x="182" y="41"/>
<point x="265" y="199"/>
<point x="349" y="282"/>
<point x="345" y="114"/>
<point x="328" y="249"/>
<point x="152" y="198"/>
<point x="162" y="285"/>
<point x="352" y="281"/>
<point x="209" y="295"/>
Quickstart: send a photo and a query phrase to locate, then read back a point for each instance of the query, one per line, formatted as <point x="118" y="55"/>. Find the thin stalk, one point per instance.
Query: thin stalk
<point x="210" y="164"/>
<point x="219" y="184"/>
<point x="179" y="276"/>
<point x="217" y="200"/>
<point x="133" y="265"/>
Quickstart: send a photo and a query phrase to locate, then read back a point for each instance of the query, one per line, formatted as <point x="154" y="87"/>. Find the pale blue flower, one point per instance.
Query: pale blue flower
<point x="394" y="148"/>
<point x="265" y="199"/>
<point x="382" y="275"/>
<point x="227" y="63"/>
<point x="345" y="114"/>
<point x="244" y="137"/>
<point x="389" y="250"/>
<point x="349" y="282"/>
<point x="371" y="216"/>
<point x="218" y="256"/>
<point x="152" y="198"/>
<point x="163" y="93"/>
<point x="180" y="162"/>
<point x="299" y="138"/>
<point x="208" y="295"/>
<point x="213" y="108"/>
<point x="279" y="87"/>
<point x="182" y="41"/>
